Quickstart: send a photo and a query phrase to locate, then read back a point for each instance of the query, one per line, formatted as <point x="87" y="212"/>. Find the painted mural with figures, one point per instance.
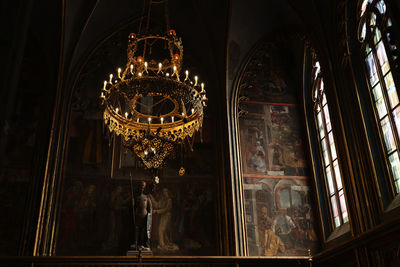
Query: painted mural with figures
<point x="96" y="218"/>
<point x="278" y="215"/>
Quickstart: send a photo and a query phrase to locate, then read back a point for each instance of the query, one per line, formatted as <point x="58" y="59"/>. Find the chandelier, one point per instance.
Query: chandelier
<point x="150" y="102"/>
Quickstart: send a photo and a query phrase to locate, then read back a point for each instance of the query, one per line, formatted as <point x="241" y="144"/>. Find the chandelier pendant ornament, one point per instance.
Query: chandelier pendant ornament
<point x="150" y="103"/>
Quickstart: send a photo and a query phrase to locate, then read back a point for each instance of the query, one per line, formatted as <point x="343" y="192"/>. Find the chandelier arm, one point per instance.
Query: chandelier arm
<point x="183" y="108"/>
<point x="162" y="105"/>
<point x="127" y="69"/>
<point x="155" y="104"/>
<point x="125" y="95"/>
<point x="140" y="104"/>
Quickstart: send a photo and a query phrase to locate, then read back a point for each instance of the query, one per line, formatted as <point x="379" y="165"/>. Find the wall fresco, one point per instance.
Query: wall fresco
<point x="278" y="211"/>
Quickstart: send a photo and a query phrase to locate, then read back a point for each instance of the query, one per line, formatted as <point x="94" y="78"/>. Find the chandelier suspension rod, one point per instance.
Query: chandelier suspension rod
<point x="148" y="17"/>
<point x="141" y="17"/>
<point x="166" y="16"/>
<point x="147" y="28"/>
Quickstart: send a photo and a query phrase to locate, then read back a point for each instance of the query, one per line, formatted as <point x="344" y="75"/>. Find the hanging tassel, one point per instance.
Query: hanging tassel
<point x="156" y="178"/>
<point x="182" y="169"/>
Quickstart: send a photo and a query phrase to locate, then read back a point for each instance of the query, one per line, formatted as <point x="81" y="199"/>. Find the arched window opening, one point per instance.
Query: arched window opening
<point x="380" y="54"/>
<point x="329" y="158"/>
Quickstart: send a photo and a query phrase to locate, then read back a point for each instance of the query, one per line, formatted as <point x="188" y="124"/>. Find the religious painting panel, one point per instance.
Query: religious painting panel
<point x="96" y="217"/>
<point x="278" y="210"/>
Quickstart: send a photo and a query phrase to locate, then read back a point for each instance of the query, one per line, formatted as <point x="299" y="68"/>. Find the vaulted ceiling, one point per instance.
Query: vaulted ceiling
<point x="207" y="28"/>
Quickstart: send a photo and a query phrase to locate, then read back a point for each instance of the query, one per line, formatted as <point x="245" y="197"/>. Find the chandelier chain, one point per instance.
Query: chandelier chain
<point x="141" y="17"/>
<point x="167" y="16"/>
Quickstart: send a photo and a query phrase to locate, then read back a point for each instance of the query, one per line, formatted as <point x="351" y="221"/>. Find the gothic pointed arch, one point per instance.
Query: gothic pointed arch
<point x="272" y="173"/>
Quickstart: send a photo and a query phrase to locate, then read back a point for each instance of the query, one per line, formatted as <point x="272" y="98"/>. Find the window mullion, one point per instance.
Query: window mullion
<point x="388" y="108"/>
<point x="331" y="161"/>
<point x="319" y="105"/>
<point x="385" y="42"/>
<point x="396" y="82"/>
<point x="382" y="83"/>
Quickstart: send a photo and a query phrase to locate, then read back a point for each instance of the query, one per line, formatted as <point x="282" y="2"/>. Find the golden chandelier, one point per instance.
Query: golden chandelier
<point x="149" y="103"/>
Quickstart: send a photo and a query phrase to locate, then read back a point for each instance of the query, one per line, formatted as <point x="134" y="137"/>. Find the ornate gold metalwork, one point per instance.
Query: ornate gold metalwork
<point x="241" y="109"/>
<point x="182" y="171"/>
<point x="173" y="112"/>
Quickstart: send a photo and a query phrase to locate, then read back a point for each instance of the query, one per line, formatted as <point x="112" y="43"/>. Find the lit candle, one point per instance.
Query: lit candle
<point x="105" y="85"/>
<point x="176" y="73"/>
<point x="137" y="120"/>
<point x="192" y="110"/>
<point x="126" y="114"/>
<point x="183" y="114"/>
<point x="145" y="66"/>
<point x="162" y="120"/>
<point x="140" y="74"/>
<point x="119" y="73"/>
<point x="187" y="75"/>
<point x="131" y="68"/>
<point x="145" y="152"/>
<point x="149" y="119"/>
<point x="195" y="80"/>
<point x="167" y="74"/>
<point x="159" y="67"/>
<point x="177" y="77"/>
<point x="202" y="87"/>
<point x="116" y="110"/>
<point x="102" y="95"/>
<point x="172" y="118"/>
<point x="111" y="76"/>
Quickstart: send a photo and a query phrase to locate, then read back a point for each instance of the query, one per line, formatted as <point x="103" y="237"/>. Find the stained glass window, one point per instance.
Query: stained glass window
<point x="331" y="165"/>
<point x="378" y="47"/>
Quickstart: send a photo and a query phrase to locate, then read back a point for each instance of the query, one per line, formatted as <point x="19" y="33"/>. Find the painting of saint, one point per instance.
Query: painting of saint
<point x="119" y="204"/>
<point x="257" y="158"/>
<point x="283" y="226"/>
<point x="272" y="244"/>
<point x="69" y="212"/>
<point x="163" y="208"/>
